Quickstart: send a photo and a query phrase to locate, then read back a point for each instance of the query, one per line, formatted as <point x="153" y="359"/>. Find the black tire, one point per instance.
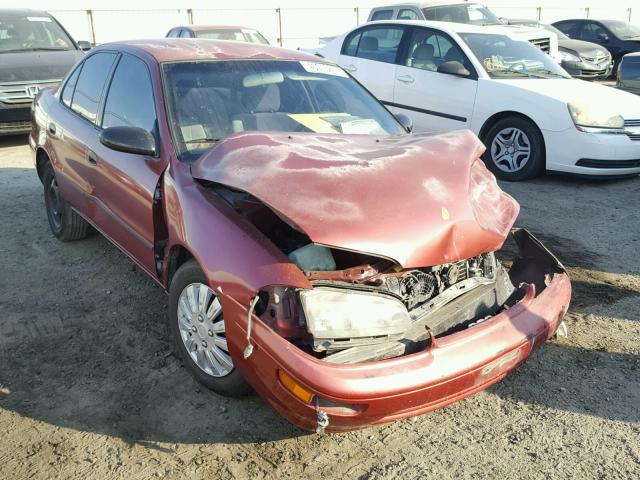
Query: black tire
<point x="65" y="223"/>
<point x="230" y="385"/>
<point x="534" y="165"/>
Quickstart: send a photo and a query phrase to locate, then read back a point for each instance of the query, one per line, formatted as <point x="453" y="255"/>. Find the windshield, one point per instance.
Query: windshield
<point x="473" y="13"/>
<point x="551" y="28"/>
<point x="22" y="34"/>
<point x="622" y="30"/>
<point x="210" y="100"/>
<point x="251" y="36"/>
<point x="503" y="57"/>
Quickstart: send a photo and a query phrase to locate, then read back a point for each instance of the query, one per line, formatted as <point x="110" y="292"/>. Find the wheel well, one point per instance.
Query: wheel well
<point x="178" y="255"/>
<point x="41" y="159"/>
<point x="499" y="116"/>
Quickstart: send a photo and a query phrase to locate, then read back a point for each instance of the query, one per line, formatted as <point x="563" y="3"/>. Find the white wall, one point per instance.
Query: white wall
<point x="302" y="21"/>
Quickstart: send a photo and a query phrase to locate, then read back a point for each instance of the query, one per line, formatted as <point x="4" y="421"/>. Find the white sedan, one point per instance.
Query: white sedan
<point x="529" y="112"/>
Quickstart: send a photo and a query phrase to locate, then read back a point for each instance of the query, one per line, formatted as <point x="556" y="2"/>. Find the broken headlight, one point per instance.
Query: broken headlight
<point x="339" y="318"/>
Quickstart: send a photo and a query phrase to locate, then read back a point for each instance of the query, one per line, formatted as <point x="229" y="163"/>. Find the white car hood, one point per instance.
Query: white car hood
<point x="572" y="90"/>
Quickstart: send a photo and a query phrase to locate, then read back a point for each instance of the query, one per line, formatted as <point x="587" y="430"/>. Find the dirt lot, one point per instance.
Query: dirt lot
<point x="89" y="387"/>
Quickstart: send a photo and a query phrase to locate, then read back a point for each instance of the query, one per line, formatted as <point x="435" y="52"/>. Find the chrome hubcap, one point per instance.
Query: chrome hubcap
<point x="510" y="149"/>
<point x="202" y="329"/>
<point x="55" y="205"/>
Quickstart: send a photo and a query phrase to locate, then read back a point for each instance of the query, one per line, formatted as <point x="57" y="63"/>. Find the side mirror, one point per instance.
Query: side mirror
<point x="405" y="121"/>
<point x="603" y="37"/>
<point x="129" y="140"/>
<point x="84" y="45"/>
<point x="454" y="68"/>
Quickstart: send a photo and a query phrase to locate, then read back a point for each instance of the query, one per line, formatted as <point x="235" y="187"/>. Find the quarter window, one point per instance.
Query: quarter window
<point x="90" y="85"/>
<point x="382" y="15"/>
<point x="130" y="98"/>
<point x="67" y="93"/>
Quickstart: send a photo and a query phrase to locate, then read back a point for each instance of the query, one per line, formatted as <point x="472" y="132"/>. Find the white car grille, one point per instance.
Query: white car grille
<point x="632" y="128"/>
<point x="543" y="44"/>
<point x="16" y="93"/>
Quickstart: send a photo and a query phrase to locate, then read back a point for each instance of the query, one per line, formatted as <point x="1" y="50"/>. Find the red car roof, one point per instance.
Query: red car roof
<point x="180" y="49"/>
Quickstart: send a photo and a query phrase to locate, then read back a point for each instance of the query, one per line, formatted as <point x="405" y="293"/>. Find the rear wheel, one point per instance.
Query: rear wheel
<point x="196" y="323"/>
<point x="65" y="223"/>
<point x="515" y="149"/>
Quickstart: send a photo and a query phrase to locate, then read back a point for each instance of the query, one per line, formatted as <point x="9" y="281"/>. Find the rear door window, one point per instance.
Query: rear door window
<point x="88" y="91"/>
<point x="130" y="98"/>
<point x="380" y="43"/>
<point x="407" y="14"/>
<point x="382" y="15"/>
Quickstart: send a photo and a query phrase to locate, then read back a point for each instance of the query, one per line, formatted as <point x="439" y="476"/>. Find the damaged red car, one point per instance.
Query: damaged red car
<point x="313" y="249"/>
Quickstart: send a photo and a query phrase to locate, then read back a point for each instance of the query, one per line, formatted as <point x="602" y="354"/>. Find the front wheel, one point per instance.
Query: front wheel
<point x="515" y="149"/>
<point x="196" y="323"/>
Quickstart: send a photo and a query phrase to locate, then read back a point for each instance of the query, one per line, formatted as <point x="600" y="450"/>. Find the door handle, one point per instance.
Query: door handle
<point x="350" y="68"/>
<point x="405" y="79"/>
<point x="91" y="157"/>
<point x="52" y="128"/>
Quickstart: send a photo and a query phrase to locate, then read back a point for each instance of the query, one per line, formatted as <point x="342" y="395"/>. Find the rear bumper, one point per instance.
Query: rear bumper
<point x="15" y="119"/>
<point x="451" y="369"/>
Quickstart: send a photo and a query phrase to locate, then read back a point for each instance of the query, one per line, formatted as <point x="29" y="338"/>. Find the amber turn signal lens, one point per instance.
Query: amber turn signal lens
<point x="290" y="384"/>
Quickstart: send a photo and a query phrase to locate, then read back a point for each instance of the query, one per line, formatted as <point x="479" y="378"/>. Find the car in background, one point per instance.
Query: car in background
<point x="36" y="52"/>
<point x="455" y="11"/>
<point x="628" y="76"/>
<point x="586" y="60"/>
<point x="528" y="111"/>
<point x="218" y="32"/>
<point x="618" y="37"/>
<point x="253" y="183"/>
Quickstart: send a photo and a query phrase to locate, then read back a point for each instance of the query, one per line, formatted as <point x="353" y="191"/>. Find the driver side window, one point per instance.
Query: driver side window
<point x="591" y="32"/>
<point x="429" y="49"/>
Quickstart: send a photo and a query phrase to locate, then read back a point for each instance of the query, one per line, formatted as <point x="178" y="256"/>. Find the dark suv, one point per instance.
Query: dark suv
<point x="616" y="36"/>
<point x="36" y="52"/>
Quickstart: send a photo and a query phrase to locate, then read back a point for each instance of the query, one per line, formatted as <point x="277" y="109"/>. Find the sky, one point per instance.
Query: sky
<point x="302" y="21"/>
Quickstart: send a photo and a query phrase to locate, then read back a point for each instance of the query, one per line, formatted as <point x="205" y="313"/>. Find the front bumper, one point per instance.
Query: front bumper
<point x="15" y="119"/>
<point x="451" y="369"/>
<point x="599" y="155"/>
<point x="588" y="71"/>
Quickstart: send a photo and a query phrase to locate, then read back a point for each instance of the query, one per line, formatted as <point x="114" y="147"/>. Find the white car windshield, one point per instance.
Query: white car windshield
<point x="210" y="100"/>
<point x="32" y="33"/>
<point x="250" y="36"/>
<point x="503" y="57"/>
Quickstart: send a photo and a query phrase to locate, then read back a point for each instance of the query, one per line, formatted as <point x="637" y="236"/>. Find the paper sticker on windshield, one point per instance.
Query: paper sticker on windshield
<point x="39" y="19"/>
<point x="313" y="67"/>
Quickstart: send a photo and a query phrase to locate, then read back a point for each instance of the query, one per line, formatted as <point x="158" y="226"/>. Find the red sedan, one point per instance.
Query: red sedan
<point x="311" y="247"/>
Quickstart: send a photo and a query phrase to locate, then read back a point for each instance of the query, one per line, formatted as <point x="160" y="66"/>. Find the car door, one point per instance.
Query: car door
<point x="370" y="55"/>
<point x="435" y="101"/>
<point x="595" y="32"/>
<point x="125" y="183"/>
<point x="71" y="126"/>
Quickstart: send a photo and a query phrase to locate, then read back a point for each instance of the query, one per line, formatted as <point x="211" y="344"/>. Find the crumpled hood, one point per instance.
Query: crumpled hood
<point x="404" y="198"/>
<point x="34" y="66"/>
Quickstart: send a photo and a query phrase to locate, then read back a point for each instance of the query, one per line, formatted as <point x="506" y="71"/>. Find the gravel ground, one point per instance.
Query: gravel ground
<point x="89" y="387"/>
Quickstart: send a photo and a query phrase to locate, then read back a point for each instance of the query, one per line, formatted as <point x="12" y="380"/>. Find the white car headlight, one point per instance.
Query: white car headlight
<point x="336" y="313"/>
<point x="568" y="57"/>
<point x="594" y="115"/>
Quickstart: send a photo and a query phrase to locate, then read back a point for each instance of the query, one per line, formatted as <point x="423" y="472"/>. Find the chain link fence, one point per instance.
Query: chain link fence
<point x="288" y="27"/>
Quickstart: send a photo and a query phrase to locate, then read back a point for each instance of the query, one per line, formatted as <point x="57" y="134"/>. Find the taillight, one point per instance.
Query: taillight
<point x="494" y="210"/>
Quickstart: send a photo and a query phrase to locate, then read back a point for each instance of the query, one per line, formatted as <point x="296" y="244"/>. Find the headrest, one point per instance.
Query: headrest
<point x="368" y="43"/>
<point x="262" y="99"/>
<point x="423" y="52"/>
